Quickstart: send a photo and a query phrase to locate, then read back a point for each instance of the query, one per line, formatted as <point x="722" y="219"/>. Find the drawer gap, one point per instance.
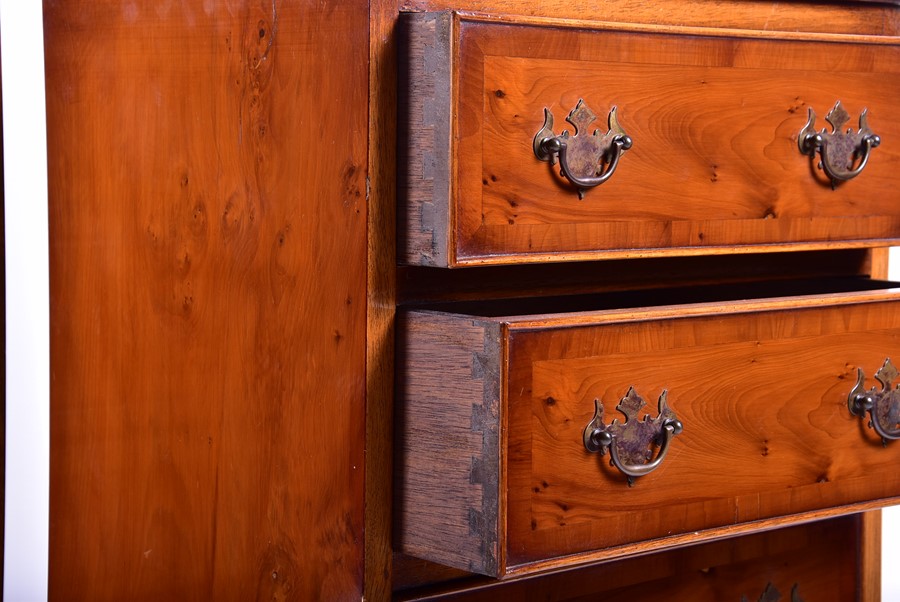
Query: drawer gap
<point x="658" y="297"/>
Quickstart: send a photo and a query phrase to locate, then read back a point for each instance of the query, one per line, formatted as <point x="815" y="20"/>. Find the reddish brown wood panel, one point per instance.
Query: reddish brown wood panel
<point x="764" y="15"/>
<point x="715" y="161"/>
<point x="763" y="398"/>
<point x="207" y="172"/>
<point x="382" y="261"/>
<point x="870" y="562"/>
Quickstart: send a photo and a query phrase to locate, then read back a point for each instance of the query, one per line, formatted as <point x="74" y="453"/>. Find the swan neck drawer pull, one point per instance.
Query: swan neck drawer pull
<point x="882" y="406"/>
<point x="629" y="443"/>
<point x="838" y="149"/>
<point x="586" y="159"/>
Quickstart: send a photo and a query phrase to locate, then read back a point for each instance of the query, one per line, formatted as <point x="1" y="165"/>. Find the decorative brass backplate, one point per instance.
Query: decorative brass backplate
<point x="883" y="406"/>
<point x="585" y="159"/>
<point x="839" y="150"/>
<point x="630" y="442"/>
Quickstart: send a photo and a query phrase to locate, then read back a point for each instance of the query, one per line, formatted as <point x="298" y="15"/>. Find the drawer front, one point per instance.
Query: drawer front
<point x="714" y="120"/>
<point x="492" y="420"/>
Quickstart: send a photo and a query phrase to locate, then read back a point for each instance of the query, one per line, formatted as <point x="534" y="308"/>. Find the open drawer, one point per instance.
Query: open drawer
<point x="695" y="134"/>
<point x="496" y="414"/>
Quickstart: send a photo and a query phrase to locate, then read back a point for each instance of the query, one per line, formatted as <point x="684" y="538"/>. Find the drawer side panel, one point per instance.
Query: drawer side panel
<point x="423" y="120"/>
<point x="448" y="447"/>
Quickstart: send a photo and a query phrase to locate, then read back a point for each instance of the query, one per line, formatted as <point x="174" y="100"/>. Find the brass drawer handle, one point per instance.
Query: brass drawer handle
<point x="838" y="149"/>
<point x="585" y="159"/>
<point x="883" y="406"/>
<point x="629" y="443"/>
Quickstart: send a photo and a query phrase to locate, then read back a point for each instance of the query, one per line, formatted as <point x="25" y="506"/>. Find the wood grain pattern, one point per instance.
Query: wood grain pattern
<point x="381" y="295"/>
<point x="435" y="285"/>
<point x="877" y="263"/>
<point x="208" y="273"/>
<point x="448" y="454"/>
<point x="425" y="115"/>
<point x="715" y="163"/>
<point x="206" y="175"/>
<point x="762" y="396"/>
<point x="769" y="432"/>
<point x="870" y="557"/>
<point x="820" y="558"/>
<point x="761" y="15"/>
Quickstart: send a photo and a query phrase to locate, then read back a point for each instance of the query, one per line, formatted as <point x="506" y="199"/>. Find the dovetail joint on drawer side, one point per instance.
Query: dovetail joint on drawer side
<point x="448" y="454"/>
<point x="424" y="122"/>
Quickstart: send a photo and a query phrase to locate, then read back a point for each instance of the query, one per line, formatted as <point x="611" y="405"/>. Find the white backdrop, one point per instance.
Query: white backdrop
<point x="27" y="303"/>
<point x="27" y="317"/>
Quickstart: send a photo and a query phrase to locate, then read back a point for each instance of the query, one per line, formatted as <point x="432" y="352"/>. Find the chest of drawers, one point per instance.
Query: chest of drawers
<point x="710" y="144"/>
<point x="227" y="284"/>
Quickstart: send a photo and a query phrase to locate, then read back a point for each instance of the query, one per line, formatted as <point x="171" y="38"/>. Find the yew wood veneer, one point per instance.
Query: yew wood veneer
<point x="207" y="366"/>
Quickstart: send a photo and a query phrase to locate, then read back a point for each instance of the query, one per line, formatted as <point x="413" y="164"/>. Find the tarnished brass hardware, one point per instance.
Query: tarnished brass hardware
<point x="629" y="443"/>
<point x="585" y="159"/>
<point x="839" y="150"/>
<point x="883" y="406"/>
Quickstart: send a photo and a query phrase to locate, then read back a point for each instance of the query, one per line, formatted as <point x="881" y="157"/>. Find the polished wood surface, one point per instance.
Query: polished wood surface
<point x="760" y="386"/>
<point x="756" y="15"/>
<point x="415" y="285"/>
<point x="763" y="398"/>
<point x="207" y="173"/>
<point x="140" y="93"/>
<point x="715" y="162"/>
<point x="819" y="558"/>
<point x="382" y="258"/>
<point x="870" y="547"/>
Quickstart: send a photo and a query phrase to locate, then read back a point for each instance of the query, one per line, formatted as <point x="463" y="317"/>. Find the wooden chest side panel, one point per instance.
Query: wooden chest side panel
<point x="447" y="461"/>
<point x="424" y="118"/>
<point x="763" y="400"/>
<point x="207" y="204"/>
